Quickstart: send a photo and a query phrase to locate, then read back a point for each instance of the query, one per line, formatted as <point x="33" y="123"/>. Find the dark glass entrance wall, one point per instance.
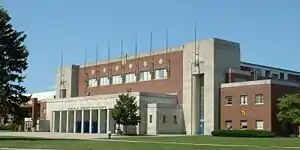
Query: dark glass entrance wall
<point x="202" y="104"/>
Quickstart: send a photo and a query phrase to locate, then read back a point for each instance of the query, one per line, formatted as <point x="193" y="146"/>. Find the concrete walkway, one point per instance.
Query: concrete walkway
<point x="56" y="135"/>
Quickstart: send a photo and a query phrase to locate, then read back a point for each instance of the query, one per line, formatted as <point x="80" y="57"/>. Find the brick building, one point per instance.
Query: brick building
<point x="252" y="105"/>
<point x="182" y="89"/>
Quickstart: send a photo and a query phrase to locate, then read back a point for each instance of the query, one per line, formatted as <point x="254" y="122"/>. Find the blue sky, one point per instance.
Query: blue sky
<point x="267" y="30"/>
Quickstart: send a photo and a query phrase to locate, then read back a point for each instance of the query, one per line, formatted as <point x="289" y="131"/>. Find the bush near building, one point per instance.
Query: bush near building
<point x="243" y="133"/>
<point x="9" y="127"/>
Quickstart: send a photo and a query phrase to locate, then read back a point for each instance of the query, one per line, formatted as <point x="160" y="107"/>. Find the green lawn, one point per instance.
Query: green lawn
<point x="151" y="143"/>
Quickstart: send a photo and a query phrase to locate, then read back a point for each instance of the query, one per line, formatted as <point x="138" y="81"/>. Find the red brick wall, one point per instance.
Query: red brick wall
<point x="170" y="85"/>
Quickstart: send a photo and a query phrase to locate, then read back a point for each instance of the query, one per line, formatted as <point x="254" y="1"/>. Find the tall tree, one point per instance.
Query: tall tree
<point x="125" y="111"/>
<point x="13" y="63"/>
<point x="289" y="109"/>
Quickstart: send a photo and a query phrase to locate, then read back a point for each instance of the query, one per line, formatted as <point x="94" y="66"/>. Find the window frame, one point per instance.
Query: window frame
<point x="150" y="118"/>
<point x="142" y="74"/>
<point x="256" y="124"/>
<point x="162" y="71"/>
<point x="120" y="80"/>
<point x="129" y="76"/>
<point x="228" y="122"/>
<point x="241" y="124"/>
<point x="92" y="82"/>
<point x="262" y="99"/>
<point x="226" y="100"/>
<point x="164" y="119"/>
<point x="175" y="119"/>
<point x="243" y="99"/>
<point x="104" y="79"/>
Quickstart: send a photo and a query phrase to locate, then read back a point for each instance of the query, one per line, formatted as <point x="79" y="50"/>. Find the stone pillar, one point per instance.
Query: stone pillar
<point x="99" y="117"/>
<point x="107" y="121"/>
<point x="82" y="121"/>
<point x="195" y="104"/>
<point x="91" y="121"/>
<point x="67" y="126"/>
<point x="34" y="110"/>
<point x="74" y="121"/>
<point x="60" y="121"/>
<point x="53" y="121"/>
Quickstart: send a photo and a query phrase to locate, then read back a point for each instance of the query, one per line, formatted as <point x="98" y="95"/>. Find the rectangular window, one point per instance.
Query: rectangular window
<point x="268" y="73"/>
<point x="150" y="119"/>
<point x="259" y="125"/>
<point x="145" y="76"/>
<point x="104" y="81"/>
<point x="117" y="79"/>
<point x="161" y="74"/>
<point x="275" y="76"/>
<point x="259" y="99"/>
<point x="244" y="124"/>
<point x="244" y="100"/>
<point x="228" y="124"/>
<point x="92" y="82"/>
<point x="228" y="100"/>
<point x="257" y="72"/>
<point x="129" y="78"/>
<point x="175" y="119"/>
<point x="164" y="119"/>
<point x="281" y="76"/>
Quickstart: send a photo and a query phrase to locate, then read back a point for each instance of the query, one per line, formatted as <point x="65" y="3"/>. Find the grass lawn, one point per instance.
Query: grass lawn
<point x="150" y="143"/>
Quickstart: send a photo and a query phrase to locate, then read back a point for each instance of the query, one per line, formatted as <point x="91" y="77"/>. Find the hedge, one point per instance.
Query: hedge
<point x="243" y="133"/>
<point x="11" y="127"/>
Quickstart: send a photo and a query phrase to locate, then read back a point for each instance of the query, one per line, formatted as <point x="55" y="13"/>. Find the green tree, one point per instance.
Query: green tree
<point x="13" y="63"/>
<point x="125" y="111"/>
<point x="289" y="109"/>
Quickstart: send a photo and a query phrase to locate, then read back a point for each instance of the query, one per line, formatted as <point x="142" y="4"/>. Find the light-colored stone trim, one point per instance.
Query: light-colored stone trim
<point x="109" y="96"/>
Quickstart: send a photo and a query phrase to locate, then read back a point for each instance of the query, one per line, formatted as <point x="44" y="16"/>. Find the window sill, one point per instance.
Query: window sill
<point x="228" y="105"/>
<point x="259" y="103"/>
<point x="243" y="104"/>
<point x="161" y="79"/>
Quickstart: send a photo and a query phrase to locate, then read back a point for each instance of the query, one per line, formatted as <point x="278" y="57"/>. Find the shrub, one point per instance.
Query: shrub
<point x="243" y="133"/>
<point x="11" y="127"/>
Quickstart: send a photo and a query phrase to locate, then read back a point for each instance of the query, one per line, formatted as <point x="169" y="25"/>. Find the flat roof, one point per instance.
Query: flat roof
<point x="260" y="82"/>
<point x="109" y="96"/>
<point x="271" y="68"/>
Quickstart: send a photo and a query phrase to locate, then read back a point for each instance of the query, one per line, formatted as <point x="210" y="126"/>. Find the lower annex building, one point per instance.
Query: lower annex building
<point x="194" y="88"/>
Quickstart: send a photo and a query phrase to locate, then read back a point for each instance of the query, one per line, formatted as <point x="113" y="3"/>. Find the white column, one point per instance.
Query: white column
<point x="195" y="104"/>
<point x="82" y="120"/>
<point x="107" y="121"/>
<point x="53" y="121"/>
<point x="91" y="119"/>
<point x="67" y="126"/>
<point x="74" y="125"/>
<point x="99" y="125"/>
<point x="60" y="119"/>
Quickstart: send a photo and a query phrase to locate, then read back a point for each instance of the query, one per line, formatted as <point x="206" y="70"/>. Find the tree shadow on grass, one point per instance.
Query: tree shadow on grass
<point x="12" y="138"/>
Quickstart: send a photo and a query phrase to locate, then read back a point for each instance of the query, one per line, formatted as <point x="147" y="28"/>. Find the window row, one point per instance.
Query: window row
<point x="266" y="73"/>
<point x="164" y="119"/>
<point x="259" y="124"/>
<point x="129" y="78"/>
<point x="259" y="100"/>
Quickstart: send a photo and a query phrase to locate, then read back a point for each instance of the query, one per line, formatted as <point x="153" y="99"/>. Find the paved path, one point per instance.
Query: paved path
<point x="57" y="135"/>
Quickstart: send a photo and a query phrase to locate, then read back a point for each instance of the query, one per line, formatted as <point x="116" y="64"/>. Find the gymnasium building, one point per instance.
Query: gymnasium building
<point x="194" y="88"/>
